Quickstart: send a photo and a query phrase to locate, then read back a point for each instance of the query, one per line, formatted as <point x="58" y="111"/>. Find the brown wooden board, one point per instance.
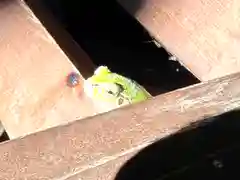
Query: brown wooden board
<point x="96" y="147"/>
<point x="33" y="73"/>
<point x="204" y="35"/>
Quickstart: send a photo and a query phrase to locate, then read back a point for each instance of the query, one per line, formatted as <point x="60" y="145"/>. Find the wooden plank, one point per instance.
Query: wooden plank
<point x="96" y="147"/>
<point x="33" y="73"/>
<point x="204" y="35"/>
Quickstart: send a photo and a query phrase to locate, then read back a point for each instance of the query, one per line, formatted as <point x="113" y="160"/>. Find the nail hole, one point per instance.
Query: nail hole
<point x="73" y="79"/>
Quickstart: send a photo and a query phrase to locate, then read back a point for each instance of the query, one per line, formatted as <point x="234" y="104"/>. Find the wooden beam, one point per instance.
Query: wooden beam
<point x="33" y="73"/>
<point x="96" y="147"/>
<point x="204" y="35"/>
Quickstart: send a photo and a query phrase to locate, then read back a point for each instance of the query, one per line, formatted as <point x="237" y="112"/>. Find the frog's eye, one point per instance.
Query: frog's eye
<point x="114" y="89"/>
<point x="120" y="87"/>
<point x="110" y="92"/>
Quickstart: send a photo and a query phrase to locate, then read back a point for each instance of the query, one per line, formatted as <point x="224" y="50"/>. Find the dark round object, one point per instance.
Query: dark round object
<point x="73" y="79"/>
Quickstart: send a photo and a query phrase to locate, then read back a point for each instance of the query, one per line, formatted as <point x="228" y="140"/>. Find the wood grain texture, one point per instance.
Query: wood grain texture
<point x="96" y="147"/>
<point x="33" y="69"/>
<point x="203" y="34"/>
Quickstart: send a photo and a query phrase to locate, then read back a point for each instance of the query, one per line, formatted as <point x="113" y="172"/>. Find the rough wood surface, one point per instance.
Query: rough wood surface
<point x="33" y="69"/>
<point x="203" y="34"/>
<point x="96" y="147"/>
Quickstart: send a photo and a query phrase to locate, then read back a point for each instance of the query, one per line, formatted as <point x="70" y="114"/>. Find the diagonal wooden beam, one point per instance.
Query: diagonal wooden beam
<point x="204" y="35"/>
<point x="33" y="73"/>
<point x="96" y="147"/>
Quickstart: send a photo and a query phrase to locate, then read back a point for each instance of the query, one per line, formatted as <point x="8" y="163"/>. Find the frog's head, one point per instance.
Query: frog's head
<point x="103" y="86"/>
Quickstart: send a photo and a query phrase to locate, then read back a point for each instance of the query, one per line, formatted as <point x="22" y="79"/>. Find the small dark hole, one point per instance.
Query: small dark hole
<point x="73" y="79"/>
<point x="120" y="101"/>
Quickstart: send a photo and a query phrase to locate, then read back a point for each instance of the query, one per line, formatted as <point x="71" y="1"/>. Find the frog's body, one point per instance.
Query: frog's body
<point x="107" y="86"/>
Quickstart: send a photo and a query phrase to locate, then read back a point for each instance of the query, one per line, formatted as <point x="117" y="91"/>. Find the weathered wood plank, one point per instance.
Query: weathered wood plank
<point x="33" y="69"/>
<point x="204" y="35"/>
<point x="96" y="147"/>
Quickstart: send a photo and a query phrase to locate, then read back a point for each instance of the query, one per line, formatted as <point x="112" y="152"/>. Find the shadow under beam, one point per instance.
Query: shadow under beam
<point x="209" y="149"/>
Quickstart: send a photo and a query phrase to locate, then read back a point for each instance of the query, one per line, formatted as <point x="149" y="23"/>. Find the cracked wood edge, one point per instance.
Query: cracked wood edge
<point x="96" y="147"/>
<point x="204" y="35"/>
<point x="33" y="70"/>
